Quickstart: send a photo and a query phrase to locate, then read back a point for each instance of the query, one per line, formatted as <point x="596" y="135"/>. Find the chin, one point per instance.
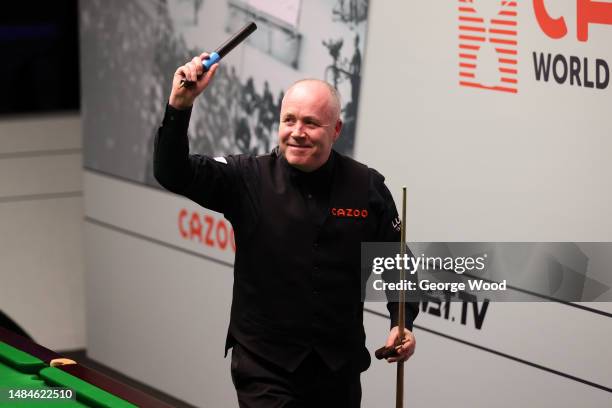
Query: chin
<point x="297" y="161"/>
<point x="301" y="163"/>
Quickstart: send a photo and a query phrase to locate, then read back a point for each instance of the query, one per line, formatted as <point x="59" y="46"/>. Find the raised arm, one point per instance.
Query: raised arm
<point x="201" y="178"/>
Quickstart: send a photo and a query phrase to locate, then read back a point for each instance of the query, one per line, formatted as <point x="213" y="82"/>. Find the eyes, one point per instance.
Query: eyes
<point x="308" y="122"/>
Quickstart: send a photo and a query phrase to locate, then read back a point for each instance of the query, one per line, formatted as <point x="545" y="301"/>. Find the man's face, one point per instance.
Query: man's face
<point x="309" y="125"/>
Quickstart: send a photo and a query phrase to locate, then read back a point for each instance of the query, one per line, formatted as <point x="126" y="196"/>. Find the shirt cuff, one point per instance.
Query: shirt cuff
<point x="177" y="118"/>
<point x="408" y="318"/>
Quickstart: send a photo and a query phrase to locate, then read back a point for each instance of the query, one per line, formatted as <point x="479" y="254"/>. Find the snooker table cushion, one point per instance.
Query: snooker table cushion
<point x="20" y="360"/>
<point x="85" y="392"/>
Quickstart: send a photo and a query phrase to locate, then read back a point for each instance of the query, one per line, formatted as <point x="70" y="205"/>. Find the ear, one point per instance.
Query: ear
<point x="337" y="129"/>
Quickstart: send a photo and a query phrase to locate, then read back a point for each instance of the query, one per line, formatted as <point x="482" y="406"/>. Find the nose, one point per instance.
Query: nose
<point x="297" y="131"/>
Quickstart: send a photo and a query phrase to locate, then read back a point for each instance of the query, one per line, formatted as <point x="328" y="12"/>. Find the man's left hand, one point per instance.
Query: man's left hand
<point x="405" y="348"/>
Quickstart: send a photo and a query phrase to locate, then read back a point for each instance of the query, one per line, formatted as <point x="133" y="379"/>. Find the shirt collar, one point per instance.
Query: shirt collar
<point x="322" y="175"/>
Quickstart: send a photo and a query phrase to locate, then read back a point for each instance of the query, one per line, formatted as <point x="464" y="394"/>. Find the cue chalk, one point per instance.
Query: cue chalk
<point x="223" y="50"/>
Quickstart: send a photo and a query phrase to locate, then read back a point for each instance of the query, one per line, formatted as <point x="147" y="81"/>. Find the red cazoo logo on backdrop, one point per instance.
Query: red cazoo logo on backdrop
<point x="488" y="46"/>
<point x="206" y="229"/>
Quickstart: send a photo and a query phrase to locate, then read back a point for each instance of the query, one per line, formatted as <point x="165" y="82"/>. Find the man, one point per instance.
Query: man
<point x="296" y="323"/>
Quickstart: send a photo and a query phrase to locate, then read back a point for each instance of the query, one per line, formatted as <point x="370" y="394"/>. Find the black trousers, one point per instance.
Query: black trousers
<point x="261" y="384"/>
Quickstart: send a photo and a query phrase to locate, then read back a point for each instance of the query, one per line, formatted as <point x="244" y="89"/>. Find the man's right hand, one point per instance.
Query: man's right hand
<point x="183" y="97"/>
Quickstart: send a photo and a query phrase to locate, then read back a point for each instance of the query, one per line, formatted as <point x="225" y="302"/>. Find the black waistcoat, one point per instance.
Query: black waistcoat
<point x="297" y="273"/>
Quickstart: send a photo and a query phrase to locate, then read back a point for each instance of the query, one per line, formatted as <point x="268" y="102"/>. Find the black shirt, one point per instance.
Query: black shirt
<point x="296" y="273"/>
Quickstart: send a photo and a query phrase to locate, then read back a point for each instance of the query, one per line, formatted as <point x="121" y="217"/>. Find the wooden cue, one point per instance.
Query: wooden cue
<point x="399" y="395"/>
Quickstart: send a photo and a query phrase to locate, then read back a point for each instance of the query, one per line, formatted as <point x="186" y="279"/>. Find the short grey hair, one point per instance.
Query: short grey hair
<point x="335" y="95"/>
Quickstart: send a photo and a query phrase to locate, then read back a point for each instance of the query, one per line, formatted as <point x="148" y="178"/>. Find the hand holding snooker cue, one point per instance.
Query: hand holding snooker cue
<point x="182" y="97"/>
<point x="222" y="51"/>
<point x="192" y="78"/>
<point x="401" y="342"/>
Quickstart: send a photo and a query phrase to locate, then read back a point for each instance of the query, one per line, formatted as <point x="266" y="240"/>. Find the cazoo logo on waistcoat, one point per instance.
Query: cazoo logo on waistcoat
<point x="349" y="212"/>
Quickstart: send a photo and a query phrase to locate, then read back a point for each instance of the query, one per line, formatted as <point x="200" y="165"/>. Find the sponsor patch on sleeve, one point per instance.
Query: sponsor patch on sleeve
<point x="396" y="223"/>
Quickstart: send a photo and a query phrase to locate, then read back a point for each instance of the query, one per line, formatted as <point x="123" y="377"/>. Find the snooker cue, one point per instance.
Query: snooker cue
<point x="223" y="50"/>
<point x="399" y="395"/>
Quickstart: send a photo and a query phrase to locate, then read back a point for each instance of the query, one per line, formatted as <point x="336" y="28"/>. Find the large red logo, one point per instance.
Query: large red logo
<point x="580" y="71"/>
<point x="587" y="12"/>
<point x="488" y="45"/>
<point x="206" y="229"/>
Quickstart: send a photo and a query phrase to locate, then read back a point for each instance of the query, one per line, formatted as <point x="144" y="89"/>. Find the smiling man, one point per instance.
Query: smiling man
<point x="309" y="124"/>
<point x="296" y="324"/>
